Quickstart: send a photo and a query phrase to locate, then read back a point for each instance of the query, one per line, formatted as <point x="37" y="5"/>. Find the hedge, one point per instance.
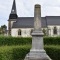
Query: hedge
<point x="14" y="41"/>
<point x="53" y="51"/>
<point x="13" y="52"/>
<point x="19" y="52"/>
<point x="52" y="40"/>
<point x="22" y="41"/>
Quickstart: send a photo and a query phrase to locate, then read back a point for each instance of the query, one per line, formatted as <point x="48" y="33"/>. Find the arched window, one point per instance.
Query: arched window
<point x="55" y="30"/>
<point x="19" y="32"/>
<point x="44" y="31"/>
<point x="31" y="31"/>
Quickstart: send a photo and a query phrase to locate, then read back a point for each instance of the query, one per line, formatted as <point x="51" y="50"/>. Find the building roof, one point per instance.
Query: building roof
<point x="28" y="22"/>
<point x="53" y="20"/>
<point x="13" y="14"/>
<point x="13" y="11"/>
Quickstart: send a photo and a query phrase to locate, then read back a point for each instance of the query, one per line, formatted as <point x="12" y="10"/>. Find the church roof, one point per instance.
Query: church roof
<point x="28" y="22"/>
<point x="13" y="14"/>
<point x="53" y="20"/>
<point x="13" y="11"/>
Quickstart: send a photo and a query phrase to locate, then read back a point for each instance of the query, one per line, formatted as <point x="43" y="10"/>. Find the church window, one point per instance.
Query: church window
<point x="55" y="30"/>
<point x="44" y="31"/>
<point x="31" y="31"/>
<point x="19" y="32"/>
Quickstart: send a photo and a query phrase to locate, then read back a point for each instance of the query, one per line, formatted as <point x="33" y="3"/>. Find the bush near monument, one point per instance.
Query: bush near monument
<point x="52" y="40"/>
<point x="13" y="52"/>
<point x="14" y="41"/>
<point x="53" y="51"/>
<point x="22" y="41"/>
<point x="19" y="52"/>
<point x="15" y="48"/>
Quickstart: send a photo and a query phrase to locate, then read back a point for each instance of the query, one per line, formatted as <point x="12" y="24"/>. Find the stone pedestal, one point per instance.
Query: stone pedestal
<point x="37" y="52"/>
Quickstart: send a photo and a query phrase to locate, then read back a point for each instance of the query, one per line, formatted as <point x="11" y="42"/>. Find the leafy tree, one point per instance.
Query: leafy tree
<point x="3" y="29"/>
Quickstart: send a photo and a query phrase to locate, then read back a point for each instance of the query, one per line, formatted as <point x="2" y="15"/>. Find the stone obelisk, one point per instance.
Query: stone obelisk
<point x="37" y="51"/>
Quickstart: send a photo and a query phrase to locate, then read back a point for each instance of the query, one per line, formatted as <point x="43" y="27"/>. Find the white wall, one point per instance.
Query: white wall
<point x="25" y="32"/>
<point x="51" y="27"/>
<point x="14" y="33"/>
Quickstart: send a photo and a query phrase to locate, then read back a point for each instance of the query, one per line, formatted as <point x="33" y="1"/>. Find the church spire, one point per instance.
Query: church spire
<point x="13" y="14"/>
<point x="13" y="11"/>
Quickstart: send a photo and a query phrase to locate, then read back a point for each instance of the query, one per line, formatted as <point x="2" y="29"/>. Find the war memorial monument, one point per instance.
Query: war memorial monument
<point x="37" y="51"/>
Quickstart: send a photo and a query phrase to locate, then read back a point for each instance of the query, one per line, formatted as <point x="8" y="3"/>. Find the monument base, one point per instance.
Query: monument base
<point x="37" y="51"/>
<point x="37" y="55"/>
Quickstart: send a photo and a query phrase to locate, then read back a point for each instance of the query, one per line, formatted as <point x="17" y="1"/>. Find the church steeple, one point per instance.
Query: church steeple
<point x="13" y="11"/>
<point x="13" y="14"/>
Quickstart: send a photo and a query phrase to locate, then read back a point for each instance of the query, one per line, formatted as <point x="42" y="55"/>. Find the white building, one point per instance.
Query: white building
<point x="23" y="26"/>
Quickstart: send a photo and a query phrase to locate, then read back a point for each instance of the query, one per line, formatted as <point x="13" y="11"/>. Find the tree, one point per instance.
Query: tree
<point x="3" y="29"/>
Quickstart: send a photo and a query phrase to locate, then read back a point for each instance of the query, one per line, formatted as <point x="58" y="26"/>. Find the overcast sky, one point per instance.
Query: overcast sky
<point x="25" y="8"/>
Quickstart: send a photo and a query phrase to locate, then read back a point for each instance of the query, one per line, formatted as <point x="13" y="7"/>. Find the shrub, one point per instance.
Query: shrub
<point x="52" y="40"/>
<point x="13" y="52"/>
<point x="22" y="41"/>
<point x="53" y="52"/>
<point x="14" y="41"/>
<point x="19" y="52"/>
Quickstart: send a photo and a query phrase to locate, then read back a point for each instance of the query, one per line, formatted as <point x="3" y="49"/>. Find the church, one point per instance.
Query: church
<point x="23" y="26"/>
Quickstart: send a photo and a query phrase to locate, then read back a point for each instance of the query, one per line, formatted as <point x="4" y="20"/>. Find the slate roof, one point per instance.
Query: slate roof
<point x="28" y="22"/>
<point x="13" y="14"/>
<point x="13" y="11"/>
<point x="53" y="20"/>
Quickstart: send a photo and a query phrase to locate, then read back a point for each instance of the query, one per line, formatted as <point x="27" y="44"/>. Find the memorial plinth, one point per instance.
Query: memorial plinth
<point x="37" y="51"/>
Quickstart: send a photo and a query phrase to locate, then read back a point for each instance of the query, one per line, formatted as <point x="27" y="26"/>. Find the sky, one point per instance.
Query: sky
<point x="25" y="8"/>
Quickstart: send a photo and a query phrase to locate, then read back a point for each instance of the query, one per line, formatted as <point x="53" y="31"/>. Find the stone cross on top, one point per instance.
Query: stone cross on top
<point x="37" y="18"/>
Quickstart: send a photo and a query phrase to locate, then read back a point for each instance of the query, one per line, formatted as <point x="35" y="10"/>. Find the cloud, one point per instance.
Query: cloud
<point x="51" y="11"/>
<point x="25" y="8"/>
<point x="54" y="3"/>
<point x="51" y="8"/>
